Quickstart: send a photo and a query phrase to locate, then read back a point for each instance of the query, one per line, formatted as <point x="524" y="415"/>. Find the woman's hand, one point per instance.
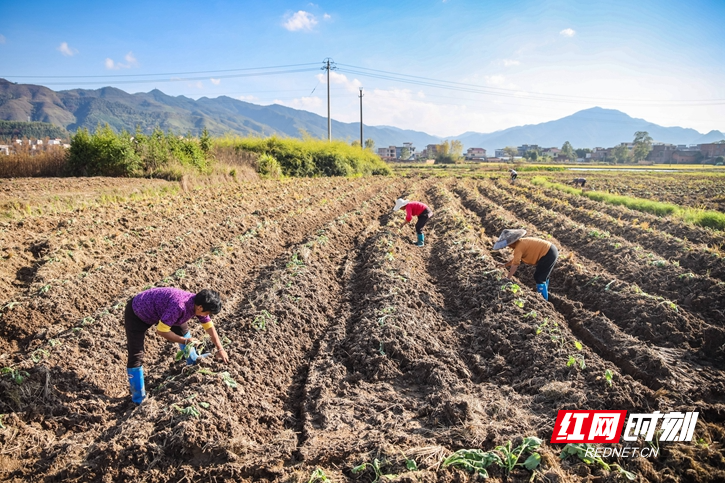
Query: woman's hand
<point x="222" y="354"/>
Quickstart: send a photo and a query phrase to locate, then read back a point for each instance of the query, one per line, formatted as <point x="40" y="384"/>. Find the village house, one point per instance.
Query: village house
<point x="475" y="154"/>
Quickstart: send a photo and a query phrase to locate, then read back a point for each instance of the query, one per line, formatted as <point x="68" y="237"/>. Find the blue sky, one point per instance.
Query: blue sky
<point x="501" y="64"/>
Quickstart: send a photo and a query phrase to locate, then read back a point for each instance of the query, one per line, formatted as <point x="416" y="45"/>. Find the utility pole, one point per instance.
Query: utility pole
<point x="362" y="146"/>
<point x="329" y="64"/>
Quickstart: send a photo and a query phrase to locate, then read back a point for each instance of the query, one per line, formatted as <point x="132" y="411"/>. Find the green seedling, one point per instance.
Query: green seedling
<point x="376" y="465"/>
<point x="205" y="371"/>
<point x="578" y="345"/>
<point x="205" y="405"/>
<point x="9" y="306"/>
<point x="39" y="354"/>
<point x="519" y="303"/>
<point x="511" y="456"/>
<point x="318" y="475"/>
<point x="687" y="276"/>
<point x="512" y="287"/>
<point x="580" y="450"/>
<point x="700" y="441"/>
<point x="180" y="273"/>
<point x="381" y="349"/>
<point x="608" y="376"/>
<point x="188" y="411"/>
<point x="531" y="315"/>
<point x="228" y="380"/>
<point x="573" y="360"/>
<point x="261" y="321"/>
<point x="659" y="263"/>
<point x="186" y="351"/>
<point x="17" y="376"/>
<point x="88" y="321"/>
<point x="473" y="460"/>
<point x="44" y="289"/>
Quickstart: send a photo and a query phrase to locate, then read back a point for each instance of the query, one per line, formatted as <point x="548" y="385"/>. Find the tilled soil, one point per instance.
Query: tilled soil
<point x="348" y="345"/>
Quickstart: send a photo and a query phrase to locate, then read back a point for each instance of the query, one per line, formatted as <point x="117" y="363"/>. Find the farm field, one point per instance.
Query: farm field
<point x="350" y="346"/>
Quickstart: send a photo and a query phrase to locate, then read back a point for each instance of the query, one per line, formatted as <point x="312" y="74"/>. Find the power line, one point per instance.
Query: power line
<point x="502" y="92"/>
<point x="181" y="79"/>
<point x="165" y="73"/>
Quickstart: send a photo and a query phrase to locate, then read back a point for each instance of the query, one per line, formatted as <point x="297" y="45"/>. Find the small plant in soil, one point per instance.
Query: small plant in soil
<point x="228" y="380"/>
<point x="531" y="315"/>
<point x="376" y="465"/>
<point x="473" y="460"/>
<point x="261" y="321"/>
<point x="608" y="376"/>
<point x="188" y="411"/>
<point x="519" y="303"/>
<point x="574" y="360"/>
<point x="511" y="456"/>
<point x="318" y="475"/>
<point x="580" y="450"/>
<point x="511" y="287"/>
<point x="16" y="375"/>
<point x="39" y="354"/>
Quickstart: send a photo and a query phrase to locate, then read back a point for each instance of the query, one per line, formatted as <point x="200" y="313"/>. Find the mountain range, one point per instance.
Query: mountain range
<point x="86" y="108"/>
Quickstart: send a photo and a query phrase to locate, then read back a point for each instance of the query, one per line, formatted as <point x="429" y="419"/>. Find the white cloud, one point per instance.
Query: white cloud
<point x="64" y="49"/>
<point x="249" y="98"/>
<point x="300" y="20"/>
<point x="510" y="62"/>
<point x="130" y="62"/>
<point x="495" y="80"/>
<point x="567" y="32"/>
<point x="195" y="85"/>
<point x="2" y="39"/>
<point x="327" y="16"/>
<point x="307" y="103"/>
<point x="337" y="78"/>
<point x="216" y="82"/>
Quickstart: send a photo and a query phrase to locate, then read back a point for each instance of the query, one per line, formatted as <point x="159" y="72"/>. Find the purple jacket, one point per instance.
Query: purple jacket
<point x="169" y="305"/>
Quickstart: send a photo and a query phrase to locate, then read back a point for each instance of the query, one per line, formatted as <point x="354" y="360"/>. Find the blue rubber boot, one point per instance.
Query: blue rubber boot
<point x="421" y="239"/>
<point x="543" y="290"/>
<point x="547" y="285"/>
<point x="135" y="380"/>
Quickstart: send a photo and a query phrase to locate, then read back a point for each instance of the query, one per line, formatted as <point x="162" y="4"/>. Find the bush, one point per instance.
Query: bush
<point x="311" y="157"/>
<point x="268" y="167"/>
<point x="103" y="153"/>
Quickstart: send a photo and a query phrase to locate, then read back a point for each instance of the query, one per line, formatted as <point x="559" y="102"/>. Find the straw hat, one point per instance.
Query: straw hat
<point x="508" y="237"/>
<point x="399" y="203"/>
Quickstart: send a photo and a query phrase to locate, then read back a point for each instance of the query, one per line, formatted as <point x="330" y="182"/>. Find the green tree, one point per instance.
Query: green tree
<point x="511" y="151"/>
<point x="369" y="144"/>
<point x="582" y="152"/>
<point x="449" y="152"/>
<point x="355" y="143"/>
<point x="568" y="151"/>
<point x="405" y="153"/>
<point x="642" y="145"/>
<point x="621" y="154"/>
<point x="205" y="142"/>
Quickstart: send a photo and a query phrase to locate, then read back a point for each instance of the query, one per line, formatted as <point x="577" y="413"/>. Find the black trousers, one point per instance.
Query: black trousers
<point x="136" y="334"/>
<point x="422" y="220"/>
<point x="546" y="265"/>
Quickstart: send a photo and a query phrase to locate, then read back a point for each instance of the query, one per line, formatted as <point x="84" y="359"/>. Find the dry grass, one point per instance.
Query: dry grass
<point x="24" y="164"/>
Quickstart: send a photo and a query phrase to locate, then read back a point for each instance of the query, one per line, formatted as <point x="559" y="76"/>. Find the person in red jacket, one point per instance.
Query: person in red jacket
<point x="415" y="208"/>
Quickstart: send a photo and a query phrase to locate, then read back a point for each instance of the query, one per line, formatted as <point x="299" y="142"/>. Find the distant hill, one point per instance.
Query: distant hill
<point x="595" y="127"/>
<point x="85" y="108"/>
<point x="78" y="108"/>
<point x="16" y="129"/>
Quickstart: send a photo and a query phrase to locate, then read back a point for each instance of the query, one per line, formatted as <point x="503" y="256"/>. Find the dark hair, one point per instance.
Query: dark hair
<point x="209" y="301"/>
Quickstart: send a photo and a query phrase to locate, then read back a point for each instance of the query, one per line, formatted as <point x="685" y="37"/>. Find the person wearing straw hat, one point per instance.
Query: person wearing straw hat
<point x="531" y="251"/>
<point x="579" y="182"/>
<point x="415" y="208"/>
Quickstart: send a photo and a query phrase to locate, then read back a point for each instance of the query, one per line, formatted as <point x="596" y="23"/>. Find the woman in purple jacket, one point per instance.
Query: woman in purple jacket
<point x="169" y="309"/>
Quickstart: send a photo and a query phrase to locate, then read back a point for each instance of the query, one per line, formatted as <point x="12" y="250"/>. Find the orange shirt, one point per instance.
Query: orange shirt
<point x="530" y="251"/>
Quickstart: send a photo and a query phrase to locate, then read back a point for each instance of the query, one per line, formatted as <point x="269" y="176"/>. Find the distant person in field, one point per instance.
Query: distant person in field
<point x="415" y="208"/>
<point x="531" y="251"/>
<point x="514" y="174"/>
<point x="169" y="309"/>
<point x="579" y="182"/>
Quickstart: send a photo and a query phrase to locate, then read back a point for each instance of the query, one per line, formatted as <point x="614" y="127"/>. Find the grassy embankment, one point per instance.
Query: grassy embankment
<point x="706" y="218"/>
